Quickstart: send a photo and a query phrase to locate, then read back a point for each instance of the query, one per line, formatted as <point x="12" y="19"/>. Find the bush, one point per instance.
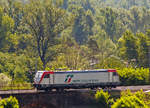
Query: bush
<point x="4" y="79"/>
<point x="102" y="99"/>
<point x="10" y="102"/>
<point x="127" y="100"/>
<point x="132" y="76"/>
<point x="131" y="100"/>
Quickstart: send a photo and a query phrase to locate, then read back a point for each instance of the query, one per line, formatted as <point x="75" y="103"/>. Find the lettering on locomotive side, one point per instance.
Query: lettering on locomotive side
<point x="69" y="79"/>
<point x="86" y="81"/>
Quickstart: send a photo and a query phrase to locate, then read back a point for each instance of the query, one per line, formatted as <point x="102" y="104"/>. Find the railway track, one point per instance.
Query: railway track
<point x="145" y="88"/>
<point x="133" y="88"/>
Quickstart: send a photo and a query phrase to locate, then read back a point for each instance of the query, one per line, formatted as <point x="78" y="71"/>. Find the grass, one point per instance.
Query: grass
<point x="16" y="86"/>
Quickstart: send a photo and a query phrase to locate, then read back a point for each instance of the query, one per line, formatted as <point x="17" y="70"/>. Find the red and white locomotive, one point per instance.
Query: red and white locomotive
<point x="47" y="80"/>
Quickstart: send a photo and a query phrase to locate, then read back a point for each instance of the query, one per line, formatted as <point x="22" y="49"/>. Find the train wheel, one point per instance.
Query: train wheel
<point x="47" y="90"/>
<point x="92" y="88"/>
<point x="60" y="90"/>
<point x="103" y="88"/>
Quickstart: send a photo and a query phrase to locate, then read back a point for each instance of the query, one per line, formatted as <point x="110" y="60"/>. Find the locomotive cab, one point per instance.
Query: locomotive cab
<point x="114" y="77"/>
<point x="43" y="79"/>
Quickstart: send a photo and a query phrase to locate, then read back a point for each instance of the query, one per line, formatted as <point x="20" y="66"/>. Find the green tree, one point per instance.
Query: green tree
<point x="74" y="57"/>
<point x="128" y="47"/>
<point x="7" y="39"/>
<point x="70" y="55"/>
<point x="114" y="62"/>
<point x="145" y="20"/>
<point x="101" y="47"/>
<point x="142" y="49"/>
<point x="83" y="22"/>
<point x="136" y="19"/>
<point x="85" y="4"/>
<point x="19" y="68"/>
<point x="107" y="19"/>
<point x="45" y="21"/>
<point x="15" y="10"/>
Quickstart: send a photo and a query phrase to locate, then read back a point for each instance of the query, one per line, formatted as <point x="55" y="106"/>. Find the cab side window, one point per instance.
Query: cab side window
<point x="46" y="76"/>
<point x="115" y="74"/>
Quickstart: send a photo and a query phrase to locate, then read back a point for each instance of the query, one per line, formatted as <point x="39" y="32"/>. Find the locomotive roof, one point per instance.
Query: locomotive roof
<point x="80" y="71"/>
<point x="100" y="70"/>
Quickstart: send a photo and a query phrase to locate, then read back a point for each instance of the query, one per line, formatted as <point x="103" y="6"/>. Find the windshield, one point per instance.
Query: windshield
<point x="38" y="74"/>
<point x="38" y="77"/>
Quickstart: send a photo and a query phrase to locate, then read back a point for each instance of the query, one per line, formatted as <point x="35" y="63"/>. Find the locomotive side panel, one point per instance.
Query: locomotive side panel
<point x="81" y="78"/>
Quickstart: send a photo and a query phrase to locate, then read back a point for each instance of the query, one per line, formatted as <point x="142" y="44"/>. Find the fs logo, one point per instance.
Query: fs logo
<point x="68" y="78"/>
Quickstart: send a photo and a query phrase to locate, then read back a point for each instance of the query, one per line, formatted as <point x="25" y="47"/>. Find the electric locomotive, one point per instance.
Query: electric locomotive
<point x="48" y="80"/>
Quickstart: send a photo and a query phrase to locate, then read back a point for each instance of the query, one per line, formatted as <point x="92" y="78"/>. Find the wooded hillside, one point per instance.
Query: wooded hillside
<point x="72" y="34"/>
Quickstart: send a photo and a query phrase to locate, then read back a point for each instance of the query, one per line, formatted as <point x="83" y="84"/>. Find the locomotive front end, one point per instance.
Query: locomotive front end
<point x="37" y="78"/>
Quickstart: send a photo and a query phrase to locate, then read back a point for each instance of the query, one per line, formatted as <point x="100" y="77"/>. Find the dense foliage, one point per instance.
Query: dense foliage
<point x="103" y="99"/>
<point x="127" y="100"/>
<point x="10" y="102"/>
<point x="74" y="34"/>
<point x="132" y="100"/>
<point x="134" y="76"/>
